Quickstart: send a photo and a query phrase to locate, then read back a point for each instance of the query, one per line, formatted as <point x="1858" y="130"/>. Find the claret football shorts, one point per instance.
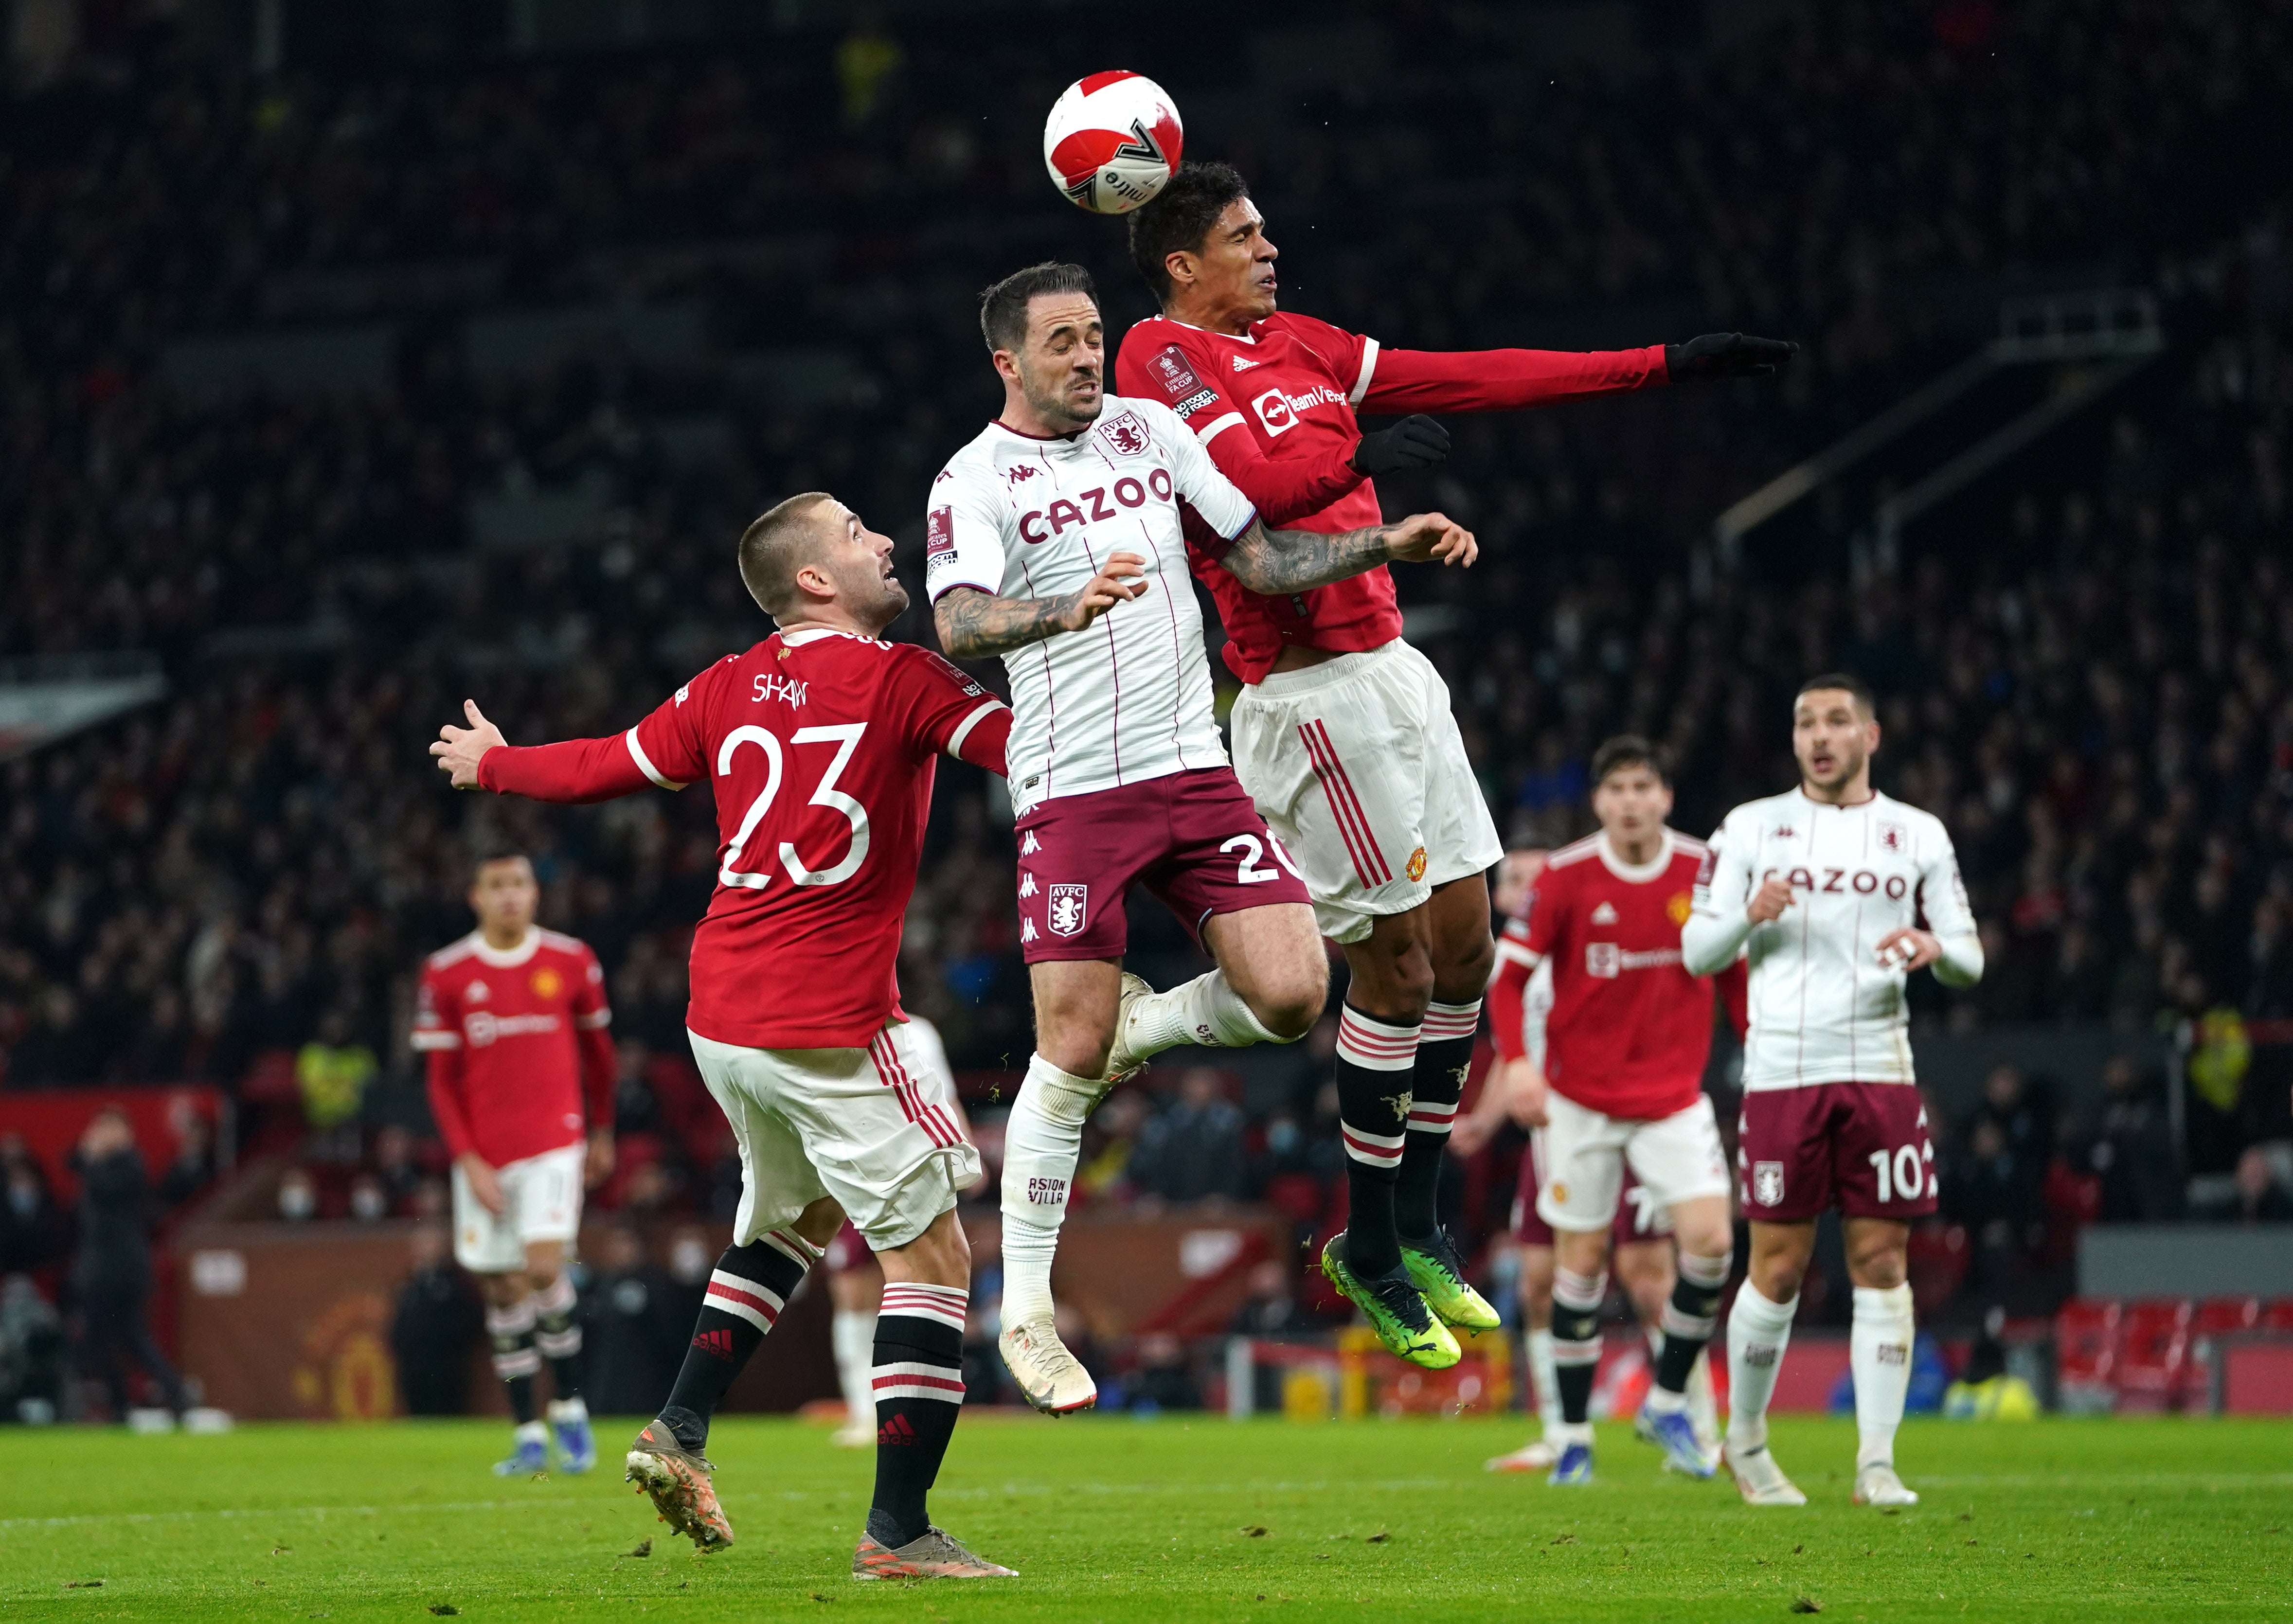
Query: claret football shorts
<point x="1862" y="1148"/>
<point x="874" y="1127"/>
<point x="1192" y="838"/>
<point x="541" y="1200"/>
<point x="1358" y="766"/>
<point x="1586" y="1153"/>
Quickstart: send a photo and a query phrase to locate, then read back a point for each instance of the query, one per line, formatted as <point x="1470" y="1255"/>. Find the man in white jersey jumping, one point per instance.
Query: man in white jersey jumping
<point x="1053" y="539"/>
<point x="1836" y="892"/>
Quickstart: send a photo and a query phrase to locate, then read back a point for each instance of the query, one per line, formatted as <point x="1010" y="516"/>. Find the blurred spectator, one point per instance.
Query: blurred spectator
<point x="636" y="1336"/>
<point x="333" y="1071"/>
<point x="369" y="1203"/>
<point x="298" y="1196"/>
<point x="395" y="1169"/>
<point x="32" y="1354"/>
<point x="32" y="1230"/>
<point x="1272" y="1308"/>
<point x="111" y="1276"/>
<point x="1164" y="1378"/>
<point x="193" y="1167"/>
<point x="2131" y="1152"/>
<point x="1192" y="1148"/>
<point x="433" y="1328"/>
<point x="2257" y="1194"/>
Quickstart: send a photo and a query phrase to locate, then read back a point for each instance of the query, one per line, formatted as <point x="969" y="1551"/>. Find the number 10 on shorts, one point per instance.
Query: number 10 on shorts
<point x="1905" y="1173"/>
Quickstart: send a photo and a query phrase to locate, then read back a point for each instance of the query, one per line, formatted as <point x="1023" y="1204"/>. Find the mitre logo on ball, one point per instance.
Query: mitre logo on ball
<point x="1112" y="141"/>
<point x="1069" y="906"/>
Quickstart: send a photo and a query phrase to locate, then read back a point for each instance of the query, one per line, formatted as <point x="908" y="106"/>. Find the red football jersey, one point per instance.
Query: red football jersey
<point x="1630" y="1028"/>
<point x="819" y="748"/>
<point x="512" y="1039"/>
<point x="1276" y="409"/>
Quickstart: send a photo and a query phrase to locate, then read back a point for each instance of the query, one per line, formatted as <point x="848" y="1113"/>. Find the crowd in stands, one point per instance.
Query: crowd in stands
<point x="245" y="874"/>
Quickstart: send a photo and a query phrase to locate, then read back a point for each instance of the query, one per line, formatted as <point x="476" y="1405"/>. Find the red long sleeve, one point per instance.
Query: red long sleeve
<point x="1735" y="983"/>
<point x="446" y="1101"/>
<point x="988" y="742"/>
<point x="600" y="1070"/>
<point x="1282" y="489"/>
<point x="1500" y="380"/>
<point x="1503" y="999"/>
<point x="576" y="770"/>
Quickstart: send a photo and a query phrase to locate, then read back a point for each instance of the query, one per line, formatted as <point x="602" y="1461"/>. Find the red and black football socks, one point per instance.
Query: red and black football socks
<point x="515" y="1360"/>
<point x="1436" y="1082"/>
<point x="747" y="1290"/>
<point x="919" y="1382"/>
<point x="1375" y="1059"/>
<point x="557" y="1335"/>
<point x="1577" y="1300"/>
<point x="1688" y="1320"/>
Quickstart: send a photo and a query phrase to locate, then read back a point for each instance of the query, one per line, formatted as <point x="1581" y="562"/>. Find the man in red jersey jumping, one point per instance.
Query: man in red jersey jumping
<point x="513" y="1019"/>
<point x="1343" y="735"/>
<point x="818" y="745"/>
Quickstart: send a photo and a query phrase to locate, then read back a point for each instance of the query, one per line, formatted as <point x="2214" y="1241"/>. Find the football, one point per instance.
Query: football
<point x="1112" y="141"/>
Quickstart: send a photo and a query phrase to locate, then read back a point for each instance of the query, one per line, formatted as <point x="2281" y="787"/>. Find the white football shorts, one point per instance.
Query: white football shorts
<point x="1356" y="765"/>
<point x="541" y="1200"/>
<point x="874" y="1127"/>
<point x="1676" y="1159"/>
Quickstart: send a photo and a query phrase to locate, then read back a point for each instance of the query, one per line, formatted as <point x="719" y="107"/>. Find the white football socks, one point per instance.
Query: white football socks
<point x="1879" y="1355"/>
<point x="1043" y="1142"/>
<point x="852" y="1332"/>
<point x="1543" y="1380"/>
<point x="1758" y="1332"/>
<point x="1206" y="1010"/>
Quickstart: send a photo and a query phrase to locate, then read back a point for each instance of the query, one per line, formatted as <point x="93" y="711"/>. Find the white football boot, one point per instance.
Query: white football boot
<point x="1049" y="1378"/>
<point x="1876" y="1484"/>
<point x="1537" y="1456"/>
<point x="1123" y="1062"/>
<point x="1758" y="1478"/>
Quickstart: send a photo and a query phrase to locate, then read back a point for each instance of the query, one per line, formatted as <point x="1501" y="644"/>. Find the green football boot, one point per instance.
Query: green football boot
<point x="1438" y="1273"/>
<point x="1394" y="1310"/>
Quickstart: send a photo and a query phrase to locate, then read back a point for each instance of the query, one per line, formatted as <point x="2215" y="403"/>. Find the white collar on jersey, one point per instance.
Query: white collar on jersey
<point x="1865" y="804"/>
<point x="1614" y="862"/>
<point x="804" y="634"/>
<point x="1240" y="338"/>
<point x="507" y="958"/>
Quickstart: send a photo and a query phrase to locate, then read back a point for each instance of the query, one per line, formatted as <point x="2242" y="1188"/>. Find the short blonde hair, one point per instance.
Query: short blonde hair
<point x="778" y="545"/>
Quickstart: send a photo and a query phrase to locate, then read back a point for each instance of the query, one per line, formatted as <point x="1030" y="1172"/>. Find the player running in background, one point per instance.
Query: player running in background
<point x="1344" y="734"/>
<point x="1626" y="1041"/>
<point x="818" y="745"/>
<point x="1836" y="894"/>
<point x="513" y="1019"/>
<point x="1053" y="540"/>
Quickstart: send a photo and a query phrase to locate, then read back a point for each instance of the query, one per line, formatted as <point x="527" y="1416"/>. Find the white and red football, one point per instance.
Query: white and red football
<point x="1112" y="141"/>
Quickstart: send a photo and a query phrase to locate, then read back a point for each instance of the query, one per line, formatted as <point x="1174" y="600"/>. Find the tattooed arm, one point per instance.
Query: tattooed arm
<point x="974" y="625"/>
<point x="1274" y="562"/>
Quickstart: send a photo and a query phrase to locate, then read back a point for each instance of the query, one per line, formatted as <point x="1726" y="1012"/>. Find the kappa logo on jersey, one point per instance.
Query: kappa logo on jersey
<point x="939" y="537"/>
<point x="1028" y="844"/>
<point x="1892" y="836"/>
<point x="1172" y="371"/>
<point x="1125" y="435"/>
<point x="1020" y="470"/>
<point x="1070" y="906"/>
<point x="1767" y="1182"/>
<point x="1027" y="886"/>
<point x="1786" y="833"/>
<point x="1606" y="914"/>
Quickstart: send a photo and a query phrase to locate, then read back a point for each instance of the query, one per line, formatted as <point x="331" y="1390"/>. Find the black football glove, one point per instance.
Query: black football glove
<point x="1414" y="442"/>
<point x="1726" y="355"/>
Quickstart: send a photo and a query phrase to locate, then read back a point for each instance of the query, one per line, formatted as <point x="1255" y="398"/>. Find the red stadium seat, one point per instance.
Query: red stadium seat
<point x="2278" y="1315"/>
<point x="2153" y="1355"/>
<point x="2223" y="1316"/>
<point x="2086" y="1353"/>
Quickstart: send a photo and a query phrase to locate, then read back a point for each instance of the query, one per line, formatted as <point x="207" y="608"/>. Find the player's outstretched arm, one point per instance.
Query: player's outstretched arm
<point x="1273" y="562"/>
<point x="974" y="625"/>
<point x="573" y="770"/>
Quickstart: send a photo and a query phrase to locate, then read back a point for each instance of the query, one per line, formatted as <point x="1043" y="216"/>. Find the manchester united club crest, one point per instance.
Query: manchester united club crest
<point x="1767" y="1182"/>
<point x="1069" y="909"/>
<point x="546" y="983"/>
<point x="1892" y="836"/>
<point x="1125" y="434"/>
<point x="1676" y="907"/>
<point x="1416" y="866"/>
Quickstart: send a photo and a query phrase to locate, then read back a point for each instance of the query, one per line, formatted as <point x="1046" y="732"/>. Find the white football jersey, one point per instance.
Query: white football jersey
<point x="1823" y="1008"/>
<point x="1128" y="698"/>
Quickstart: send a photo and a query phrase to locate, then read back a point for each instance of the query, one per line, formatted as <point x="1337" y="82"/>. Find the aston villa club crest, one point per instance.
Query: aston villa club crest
<point x="1766" y="1183"/>
<point x="1891" y="836"/>
<point x="1070" y="908"/>
<point x="1125" y="434"/>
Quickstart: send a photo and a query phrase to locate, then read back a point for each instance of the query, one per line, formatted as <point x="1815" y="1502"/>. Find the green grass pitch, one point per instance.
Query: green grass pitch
<point x="1117" y="1519"/>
